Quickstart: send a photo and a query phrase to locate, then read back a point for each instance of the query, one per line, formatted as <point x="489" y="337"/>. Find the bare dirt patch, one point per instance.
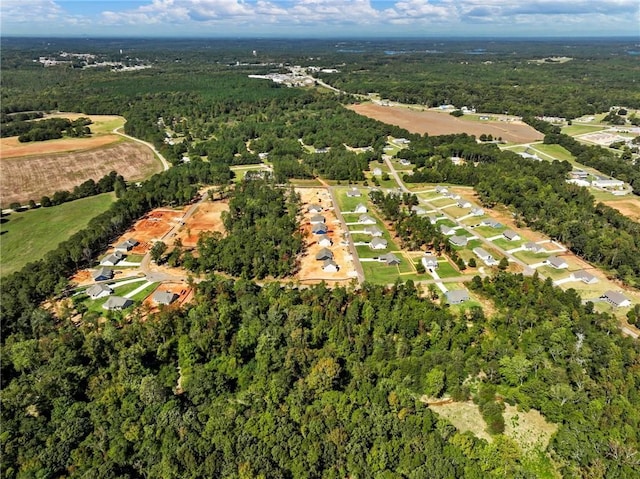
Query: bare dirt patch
<point x="440" y="123"/>
<point x="630" y="207"/>
<point x="310" y="271"/>
<point x="11" y="148"/>
<point x="152" y="227"/>
<point x="31" y="177"/>
<point x="184" y="292"/>
<point x="207" y="217"/>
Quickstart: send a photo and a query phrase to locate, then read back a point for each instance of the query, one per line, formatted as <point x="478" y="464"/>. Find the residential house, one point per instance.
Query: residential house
<point x="485" y="256"/>
<point x="378" y="243"/>
<point x="102" y="274"/>
<point x="430" y="261"/>
<point x="98" y="291"/>
<point x="419" y="210"/>
<point x="373" y="230"/>
<point x="126" y="245"/>
<point x="441" y="190"/>
<point x="534" y="247"/>
<point x="366" y="220"/>
<point x="361" y="208"/>
<point x="556" y="262"/>
<point x="324" y="240"/>
<point x="164" y="297"/>
<point x="584" y="276"/>
<point x="319" y="229"/>
<point x="477" y="211"/>
<point x="389" y="259"/>
<point x="117" y="303"/>
<point x="377" y="172"/>
<point x="354" y="193"/>
<point x="433" y="219"/>
<point x="462" y="203"/>
<point x="457" y="296"/>
<point x="317" y="220"/>
<point x="605" y="183"/>
<point x="457" y="240"/>
<point x="404" y="162"/>
<point x="491" y="222"/>
<point x="330" y="266"/>
<point x="324" y="254"/>
<point x="615" y="298"/>
<point x="511" y="235"/>
<point x="446" y="230"/>
<point x="112" y="259"/>
<point x="314" y="209"/>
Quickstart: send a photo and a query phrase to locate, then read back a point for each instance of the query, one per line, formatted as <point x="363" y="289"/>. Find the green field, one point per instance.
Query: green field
<point x="581" y="129"/>
<point x="556" y="151"/>
<point x="28" y="236"/>
<point x="380" y="273"/>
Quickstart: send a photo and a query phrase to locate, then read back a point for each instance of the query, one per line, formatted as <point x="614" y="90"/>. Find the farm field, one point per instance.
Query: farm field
<point x="440" y="123"/>
<point x="25" y="178"/>
<point x="28" y="236"/>
<point x="628" y="206"/>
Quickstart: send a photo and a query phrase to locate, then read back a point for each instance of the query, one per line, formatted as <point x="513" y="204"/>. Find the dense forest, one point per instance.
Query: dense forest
<point x="253" y="380"/>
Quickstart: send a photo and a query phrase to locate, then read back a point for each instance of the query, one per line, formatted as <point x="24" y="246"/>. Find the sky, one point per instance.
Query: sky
<point x="320" y="18"/>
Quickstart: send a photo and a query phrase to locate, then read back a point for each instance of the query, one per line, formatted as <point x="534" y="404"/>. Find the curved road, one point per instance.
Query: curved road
<point x="165" y="163"/>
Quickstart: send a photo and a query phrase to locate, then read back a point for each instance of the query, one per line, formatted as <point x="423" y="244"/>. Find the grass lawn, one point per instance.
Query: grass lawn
<point x="28" y="236"/>
<point x="506" y="245"/>
<point x="96" y="305"/>
<point x="445" y="270"/>
<point x="488" y="231"/>
<point x="348" y="203"/>
<point x="573" y="130"/>
<point x="379" y="273"/>
<point x="556" y="151"/>
<point x="530" y="257"/>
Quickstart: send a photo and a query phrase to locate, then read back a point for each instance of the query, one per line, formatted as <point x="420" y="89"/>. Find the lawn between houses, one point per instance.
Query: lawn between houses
<point x="30" y="235"/>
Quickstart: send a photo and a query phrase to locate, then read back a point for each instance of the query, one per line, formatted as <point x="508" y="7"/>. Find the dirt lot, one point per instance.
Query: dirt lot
<point x="310" y="268"/>
<point x="630" y="207"/>
<point x="31" y="177"/>
<point x="153" y="226"/>
<point x="184" y="292"/>
<point x="441" y="123"/>
<point x="12" y="148"/>
<point x="206" y="218"/>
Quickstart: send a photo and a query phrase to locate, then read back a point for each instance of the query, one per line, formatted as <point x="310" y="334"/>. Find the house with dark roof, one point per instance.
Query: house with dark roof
<point x="164" y="297"/>
<point x="319" y="229"/>
<point x="457" y="240"/>
<point x="366" y="220"/>
<point x="584" y="276"/>
<point x="98" y="291"/>
<point x="126" y="245"/>
<point x="491" y="222"/>
<point x="330" y="266"/>
<point x="102" y="274"/>
<point x="317" y="220"/>
<point x="511" y="235"/>
<point x="373" y="230"/>
<point x="116" y="303"/>
<point x="389" y="259"/>
<point x="615" y="298"/>
<point x="534" y="247"/>
<point x="429" y="261"/>
<point x="314" y="209"/>
<point x="378" y="243"/>
<point x="324" y="240"/>
<point x="457" y="296"/>
<point x="112" y="259"/>
<point x="324" y="254"/>
<point x="556" y="262"/>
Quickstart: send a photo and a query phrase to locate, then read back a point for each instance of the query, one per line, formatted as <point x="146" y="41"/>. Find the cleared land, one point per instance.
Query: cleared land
<point x="30" y="235"/>
<point x="151" y="227"/>
<point x="630" y="207"/>
<point x="437" y="123"/>
<point x="31" y="177"/>
<point x="207" y="217"/>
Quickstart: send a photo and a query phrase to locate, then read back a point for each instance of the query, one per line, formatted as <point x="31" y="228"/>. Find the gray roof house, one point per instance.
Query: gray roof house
<point x="164" y="297"/>
<point x="491" y="222"/>
<point x="330" y="266"/>
<point x="457" y="240"/>
<point x="617" y="299"/>
<point x="354" y="193"/>
<point x="477" y="211"/>
<point x="112" y="259"/>
<point x="584" y="276"/>
<point x="446" y="230"/>
<point x="98" y="291"/>
<point x="433" y="219"/>
<point x="361" y="208"/>
<point x="317" y="219"/>
<point x="126" y="245"/>
<point x="319" y="229"/>
<point x="378" y="243"/>
<point x="324" y="240"/>
<point x="324" y="254"/>
<point x="116" y="303"/>
<point x="366" y="220"/>
<point x="314" y="209"/>
<point x="457" y="296"/>
<point x="419" y="210"/>
<point x="373" y="230"/>
<point x="429" y="261"/>
<point x="511" y="235"/>
<point x="441" y="189"/>
<point x="556" y="262"/>
<point x="389" y="259"/>
<point x="485" y="256"/>
<point x="102" y="274"/>
<point x="464" y="204"/>
<point x="534" y="247"/>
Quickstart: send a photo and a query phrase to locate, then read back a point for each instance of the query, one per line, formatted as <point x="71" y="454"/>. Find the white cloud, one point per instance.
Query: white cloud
<point x="17" y="11"/>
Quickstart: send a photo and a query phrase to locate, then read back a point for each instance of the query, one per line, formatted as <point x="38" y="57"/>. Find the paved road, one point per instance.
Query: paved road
<point x="165" y="163"/>
<point x="352" y="249"/>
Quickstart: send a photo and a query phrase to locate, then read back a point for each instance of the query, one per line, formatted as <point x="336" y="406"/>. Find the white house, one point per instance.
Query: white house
<point x="378" y="243"/>
<point x="556" y="262"/>
<point x="485" y="256"/>
<point x="430" y="261"/>
<point x="354" y="193"/>
<point x="366" y="220"/>
<point x="330" y="266"/>
<point x="604" y="183"/>
<point x="584" y="276"/>
<point x="457" y="240"/>
<point x="164" y="297"/>
<point x="615" y="298"/>
<point x="116" y="303"/>
<point x="419" y="210"/>
<point x="314" y="209"/>
<point x="324" y="241"/>
<point x="477" y="211"/>
<point x="126" y="245"/>
<point x="98" y="291"/>
<point x="377" y="172"/>
<point x="446" y="230"/>
<point x="373" y="231"/>
<point x="462" y="203"/>
<point x="511" y="235"/>
<point x="317" y="220"/>
<point x="534" y="247"/>
<point x="112" y="259"/>
<point x="361" y="208"/>
<point x="441" y="189"/>
<point x="457" y="296"/>
<point x="389" y="259"/>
